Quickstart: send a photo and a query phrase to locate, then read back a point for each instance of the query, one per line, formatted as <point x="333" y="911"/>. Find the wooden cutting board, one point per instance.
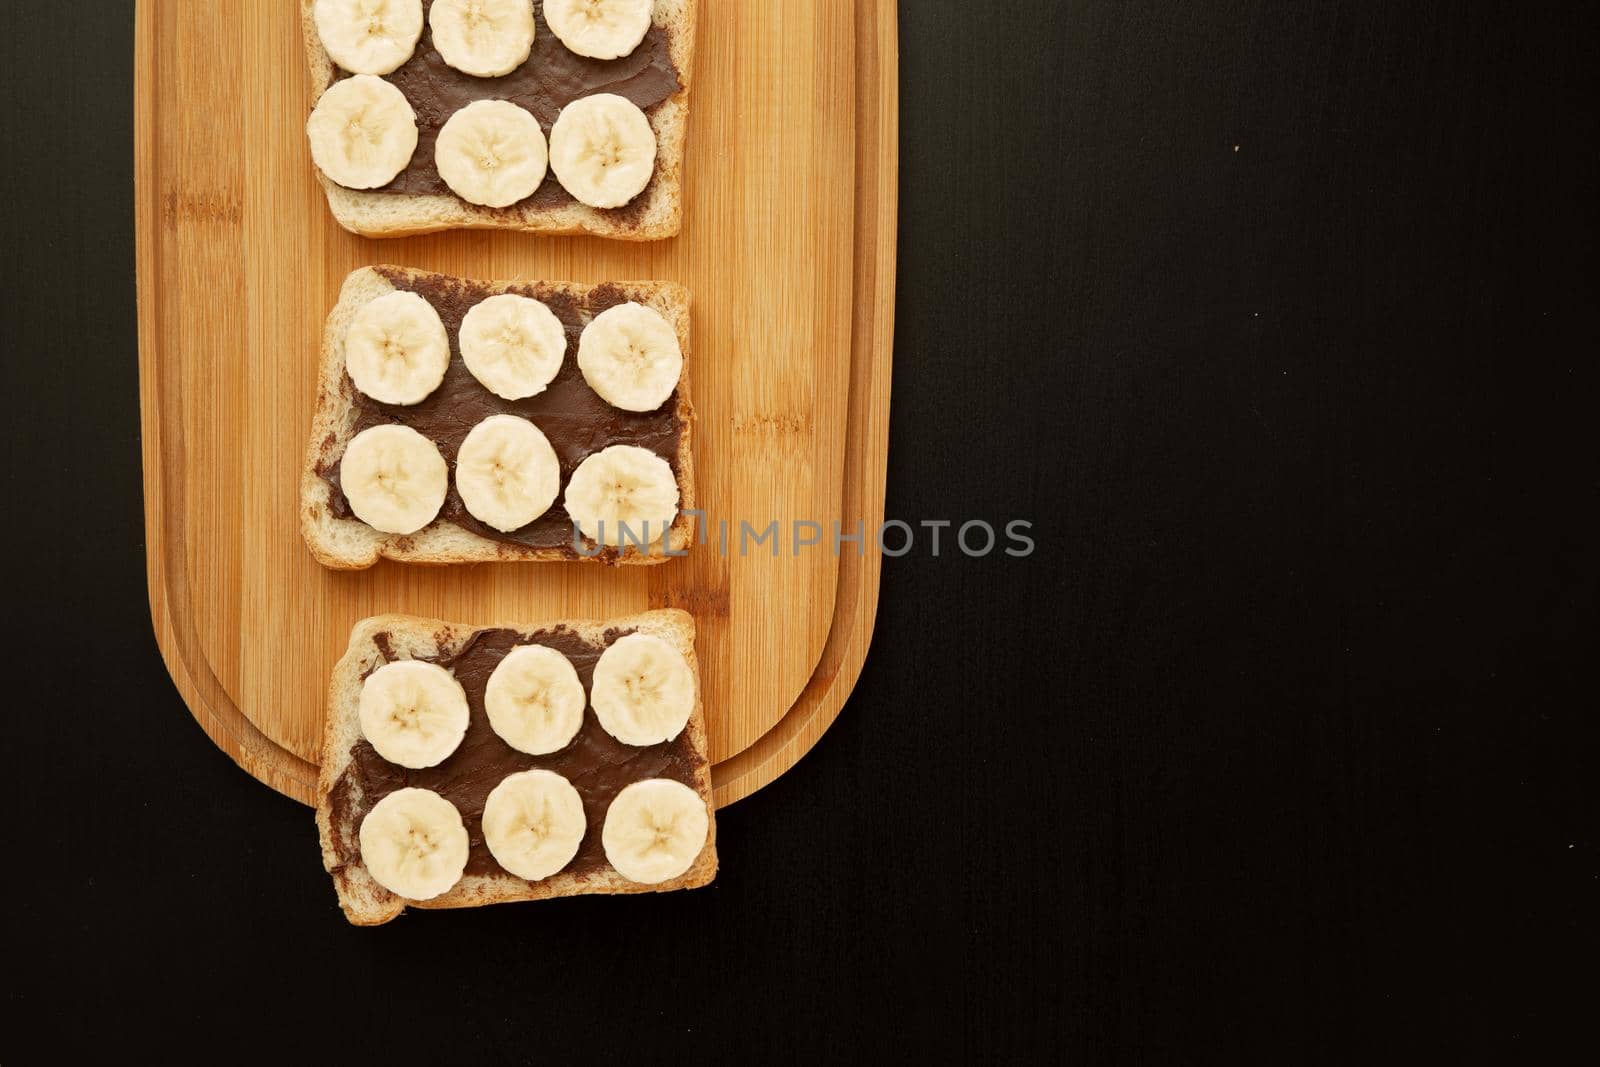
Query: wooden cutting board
<point x="788" y="246"/>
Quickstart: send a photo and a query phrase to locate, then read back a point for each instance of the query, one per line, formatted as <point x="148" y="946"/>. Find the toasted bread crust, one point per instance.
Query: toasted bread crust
<point x="364" y="901"/>
<point x="657" y="214"/>
<point x="350" y="544"/>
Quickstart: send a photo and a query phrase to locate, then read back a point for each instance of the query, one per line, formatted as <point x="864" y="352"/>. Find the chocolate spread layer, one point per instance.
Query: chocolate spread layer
<point x="573" y="416"/>
<point x="597" y="764"/>
<point x="551" y="79"/>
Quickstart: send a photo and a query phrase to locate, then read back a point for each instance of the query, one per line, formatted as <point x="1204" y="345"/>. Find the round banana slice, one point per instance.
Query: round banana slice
<point x="512" y="344"/>
<point x="507" y="473"/>
<point x="414" y="843"/>
<point x="533" y="823"/>
<point x="396" y="349"/>
<point x="599" y="29"/>
<point x="484" y="38"/>
<point x="603" y="150"/>
<point x="623" y="495"/>
<point x="362" y="132"/>
<point x="394" y="478"/>
<point x="643" y="690"/>
<point x="629" y="354"/>
<point x="654" y="830"/>
<point x="534" y="700"/>
<point x="491" y="152"/>
<point x="413" y="713"/>
<point x="369" y="36"/>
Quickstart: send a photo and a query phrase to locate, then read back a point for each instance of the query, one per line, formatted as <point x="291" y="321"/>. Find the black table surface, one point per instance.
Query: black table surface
<point x="1276" y="319"/>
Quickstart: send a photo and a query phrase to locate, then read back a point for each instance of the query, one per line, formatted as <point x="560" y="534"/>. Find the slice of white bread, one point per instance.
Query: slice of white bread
<point x="340" y="805"/>
<point x="347" y="543"/>
<point x="656" y="213"/>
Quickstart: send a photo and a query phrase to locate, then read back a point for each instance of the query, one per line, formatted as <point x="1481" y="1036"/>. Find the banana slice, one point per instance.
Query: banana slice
<point x="507" y="473"/>
<point x="654" y="830"/>
<point x="603" y="150"/>
<point x="534" y="700"/>
<point x="491" y="152"/>
<point x="414" y="713"/>
<point x="362" y="132"/>
<point x="369" y="36"/>
<point x="484" y="38"/>
<point x="533" y="823"/>
<point x="629" y="354"/>
<point x="512" y="344"/>
<point x="643" y="690"/>
<point x="394" y="478"/>
<point x="396" y="349"/>
<point x="599" y="29"/>
<point x="414" y="843"/>
<point x="623" y="494"/>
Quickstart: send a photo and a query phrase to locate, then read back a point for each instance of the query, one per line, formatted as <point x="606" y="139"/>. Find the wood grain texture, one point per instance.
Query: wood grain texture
<point x="788" y="247"/>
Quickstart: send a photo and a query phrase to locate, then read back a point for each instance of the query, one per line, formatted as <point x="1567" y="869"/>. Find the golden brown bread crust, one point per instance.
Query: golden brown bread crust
<point x="657" y="214"/>
<point x="350" y="544"/>
<point x="364" y="901"/>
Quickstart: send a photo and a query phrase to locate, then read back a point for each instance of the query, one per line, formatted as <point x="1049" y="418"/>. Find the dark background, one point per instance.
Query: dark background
<point x="1276" y="318"/>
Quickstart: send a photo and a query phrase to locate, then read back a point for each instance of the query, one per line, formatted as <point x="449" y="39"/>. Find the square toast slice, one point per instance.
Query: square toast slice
<point x="654" y="214"/>
<point x="353" y="777"/>
<point x="341" y="541"/>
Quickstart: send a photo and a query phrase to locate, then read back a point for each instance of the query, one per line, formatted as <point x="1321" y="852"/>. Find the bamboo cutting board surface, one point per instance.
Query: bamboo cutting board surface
<point x="787" y="246"/>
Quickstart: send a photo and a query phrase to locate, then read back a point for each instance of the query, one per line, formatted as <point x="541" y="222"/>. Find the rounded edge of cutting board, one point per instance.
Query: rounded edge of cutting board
<point x="227" y="727"/>
<point x="855" y="606"/>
